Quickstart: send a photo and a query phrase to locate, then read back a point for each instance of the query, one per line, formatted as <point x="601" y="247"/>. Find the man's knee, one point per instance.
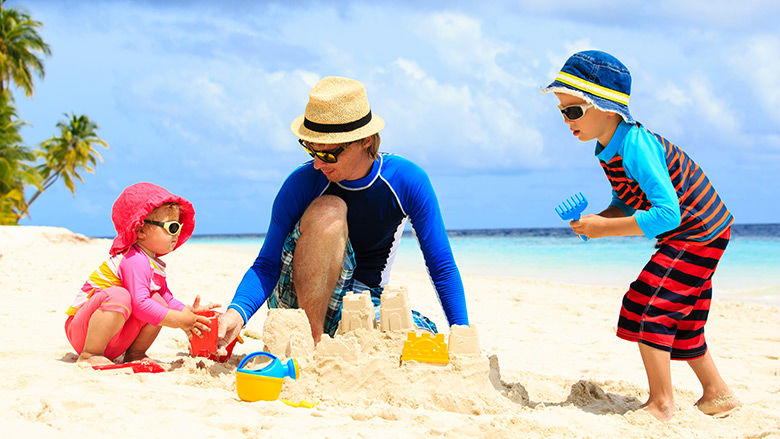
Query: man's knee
<point x="326" y="214"/>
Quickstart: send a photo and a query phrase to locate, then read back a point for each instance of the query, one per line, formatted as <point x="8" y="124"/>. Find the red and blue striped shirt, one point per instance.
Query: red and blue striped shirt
<point x="650" y="174"/>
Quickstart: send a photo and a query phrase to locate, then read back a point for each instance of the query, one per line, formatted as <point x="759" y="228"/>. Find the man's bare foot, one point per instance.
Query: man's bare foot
<point x="93" y="360"/>
<point x="720" y="406"/>
<point x="661" y="411"/>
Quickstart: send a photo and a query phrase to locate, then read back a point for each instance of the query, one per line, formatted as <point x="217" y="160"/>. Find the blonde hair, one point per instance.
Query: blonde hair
<point x="373" y="150"/>
<point x="161" y="212"/>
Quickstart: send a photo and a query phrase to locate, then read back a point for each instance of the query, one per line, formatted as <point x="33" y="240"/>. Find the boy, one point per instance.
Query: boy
<point x="666" y="308"/>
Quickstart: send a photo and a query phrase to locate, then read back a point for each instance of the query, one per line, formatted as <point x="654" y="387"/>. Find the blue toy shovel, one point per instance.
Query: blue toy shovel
<point x="571" y="209"/>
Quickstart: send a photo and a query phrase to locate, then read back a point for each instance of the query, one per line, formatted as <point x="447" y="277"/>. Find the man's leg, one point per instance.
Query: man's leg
<point x="318" y="258"/>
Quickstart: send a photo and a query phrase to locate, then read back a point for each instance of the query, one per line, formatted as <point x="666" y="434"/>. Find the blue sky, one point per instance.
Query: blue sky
<point x="198" y="97"/>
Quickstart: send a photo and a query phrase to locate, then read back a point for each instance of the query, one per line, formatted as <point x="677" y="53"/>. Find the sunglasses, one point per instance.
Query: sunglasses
<point x="172" y="227"/>
<point x="331" y="156"/>
<point x="574" y="112"/>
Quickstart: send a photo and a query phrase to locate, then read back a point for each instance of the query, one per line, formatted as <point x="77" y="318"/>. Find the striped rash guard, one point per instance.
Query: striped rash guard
<point x="675" y="199"/>
<point x="141" y="276"/>
<point x="378" y="206"/>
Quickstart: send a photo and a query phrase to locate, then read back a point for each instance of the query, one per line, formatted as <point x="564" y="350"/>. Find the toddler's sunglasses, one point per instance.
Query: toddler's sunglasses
<point x="172" y="227"/>
<point x="574" y="112"/>
<point x="331" y="156"/>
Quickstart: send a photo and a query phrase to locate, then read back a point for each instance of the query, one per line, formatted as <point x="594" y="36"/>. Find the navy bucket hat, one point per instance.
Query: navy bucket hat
<point x="597" y="77"/>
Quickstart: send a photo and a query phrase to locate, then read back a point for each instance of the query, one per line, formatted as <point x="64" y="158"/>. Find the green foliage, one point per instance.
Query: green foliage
<point x="15" y="169"/>
<point x="20" y="45"/>
<point x="64" y="155"/>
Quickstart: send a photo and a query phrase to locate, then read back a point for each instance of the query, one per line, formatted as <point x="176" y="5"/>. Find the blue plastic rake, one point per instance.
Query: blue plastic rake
<point x="571" y="209"/>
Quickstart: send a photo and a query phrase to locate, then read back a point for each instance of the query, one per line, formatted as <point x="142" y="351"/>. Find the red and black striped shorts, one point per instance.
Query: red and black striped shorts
<point x="667" y="306"/>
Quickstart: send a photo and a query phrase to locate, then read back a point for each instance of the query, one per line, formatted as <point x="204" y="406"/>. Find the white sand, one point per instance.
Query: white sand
<point x="563" y="373"/>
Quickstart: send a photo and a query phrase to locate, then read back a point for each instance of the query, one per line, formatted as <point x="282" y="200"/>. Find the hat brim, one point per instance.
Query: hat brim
<point x="374" y="126"/>
<point x="597" y="101"/>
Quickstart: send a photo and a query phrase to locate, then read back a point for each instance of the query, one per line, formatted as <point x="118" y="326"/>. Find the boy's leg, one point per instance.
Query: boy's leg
<point x="318" y="258"/>
<point x="145" y="338"/>
<point x="717" y="398"/>
<point x="690" y="344"/>
<point x="660" y="403"/>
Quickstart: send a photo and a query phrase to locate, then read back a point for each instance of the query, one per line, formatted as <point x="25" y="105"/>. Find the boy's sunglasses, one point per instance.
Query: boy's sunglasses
<point x="331" y="156"/>
<point x="574" y="112"/>
<point x="172" y="227"/>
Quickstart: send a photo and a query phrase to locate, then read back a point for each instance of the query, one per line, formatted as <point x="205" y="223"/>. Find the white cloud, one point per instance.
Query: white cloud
<point x="714" y="109"/>
<point x="461" y="44"/>
<point x="673" y="95"/>
<point x="758" y="61"/>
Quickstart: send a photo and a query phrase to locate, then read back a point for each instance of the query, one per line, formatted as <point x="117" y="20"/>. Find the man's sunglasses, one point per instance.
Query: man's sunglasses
<point x="172" y="227"/>
<point x="331" y="156"/>
<point x="574" y="112"/>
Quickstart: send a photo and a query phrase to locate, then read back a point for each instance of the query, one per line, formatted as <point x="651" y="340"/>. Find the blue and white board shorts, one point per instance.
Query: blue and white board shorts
<point x="284" y="295"/>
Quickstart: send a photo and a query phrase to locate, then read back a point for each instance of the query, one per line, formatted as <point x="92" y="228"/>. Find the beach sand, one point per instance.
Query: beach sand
<point x="563" y="373"/>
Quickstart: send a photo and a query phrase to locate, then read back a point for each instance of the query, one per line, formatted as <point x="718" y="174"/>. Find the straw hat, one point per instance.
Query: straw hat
<point x="337" y="112"/>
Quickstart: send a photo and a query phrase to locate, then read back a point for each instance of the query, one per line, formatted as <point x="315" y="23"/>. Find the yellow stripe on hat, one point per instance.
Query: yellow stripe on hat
<point x="602" y="92"/>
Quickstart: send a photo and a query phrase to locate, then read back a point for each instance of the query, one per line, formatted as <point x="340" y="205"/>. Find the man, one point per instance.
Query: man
<point x="337" y="221"/>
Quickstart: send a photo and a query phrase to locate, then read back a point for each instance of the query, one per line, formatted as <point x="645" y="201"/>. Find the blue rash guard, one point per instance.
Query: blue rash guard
<point x="644" y="160"/>
<point x="378" y="206"/>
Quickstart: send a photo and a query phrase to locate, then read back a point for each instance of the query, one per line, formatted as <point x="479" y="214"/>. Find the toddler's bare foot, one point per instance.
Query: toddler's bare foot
<point x="662" y="411"/>
<point x="93" y="360"/>
<point x="719" y="406"/>
<point x="137" y="356"/>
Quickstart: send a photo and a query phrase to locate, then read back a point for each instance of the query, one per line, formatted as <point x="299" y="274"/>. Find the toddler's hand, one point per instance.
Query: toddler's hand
<point x="194" y="324"/>
<point x="197" y="307"/>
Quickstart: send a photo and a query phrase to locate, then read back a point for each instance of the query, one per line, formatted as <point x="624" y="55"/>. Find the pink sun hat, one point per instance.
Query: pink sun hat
<point x="135" y="203"/>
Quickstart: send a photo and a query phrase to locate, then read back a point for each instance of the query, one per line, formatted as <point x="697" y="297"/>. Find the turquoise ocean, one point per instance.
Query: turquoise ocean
<point x="749" y="270"/>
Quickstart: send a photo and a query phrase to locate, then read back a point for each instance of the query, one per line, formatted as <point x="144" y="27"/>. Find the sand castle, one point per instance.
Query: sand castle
<point x="286" y="333"/>
<point x="357" y="312"/>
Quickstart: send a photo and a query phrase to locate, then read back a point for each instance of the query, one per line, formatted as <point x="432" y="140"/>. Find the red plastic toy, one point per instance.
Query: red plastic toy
<point x="206" y="344"/>
<point x="136" y="366"/>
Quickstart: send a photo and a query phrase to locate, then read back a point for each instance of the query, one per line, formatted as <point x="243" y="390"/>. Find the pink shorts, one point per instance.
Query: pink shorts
<point x="115" y="299"/>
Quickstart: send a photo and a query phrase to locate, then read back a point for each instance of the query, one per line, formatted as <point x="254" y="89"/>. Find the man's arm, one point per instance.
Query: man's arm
<point x="260" y="279"/>
<point x="420" y="203"/>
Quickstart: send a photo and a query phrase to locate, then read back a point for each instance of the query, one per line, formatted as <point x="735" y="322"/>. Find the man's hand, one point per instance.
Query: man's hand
<point x="230" y="324"/>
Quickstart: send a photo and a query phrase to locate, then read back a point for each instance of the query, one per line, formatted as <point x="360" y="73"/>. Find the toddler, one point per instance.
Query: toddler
<point x="123" y="304"/>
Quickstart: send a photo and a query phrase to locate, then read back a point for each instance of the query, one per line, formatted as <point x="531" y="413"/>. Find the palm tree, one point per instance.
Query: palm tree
<point x="20" y="45"/>
<point x="68" y="153"/>
<point x="15" y="170"/>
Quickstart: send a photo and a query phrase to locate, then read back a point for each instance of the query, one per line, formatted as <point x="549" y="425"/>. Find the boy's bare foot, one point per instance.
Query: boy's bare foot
<point x="720" y="406"/>
<point x="661" y="411"/>
<point x="93" y="360"/>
